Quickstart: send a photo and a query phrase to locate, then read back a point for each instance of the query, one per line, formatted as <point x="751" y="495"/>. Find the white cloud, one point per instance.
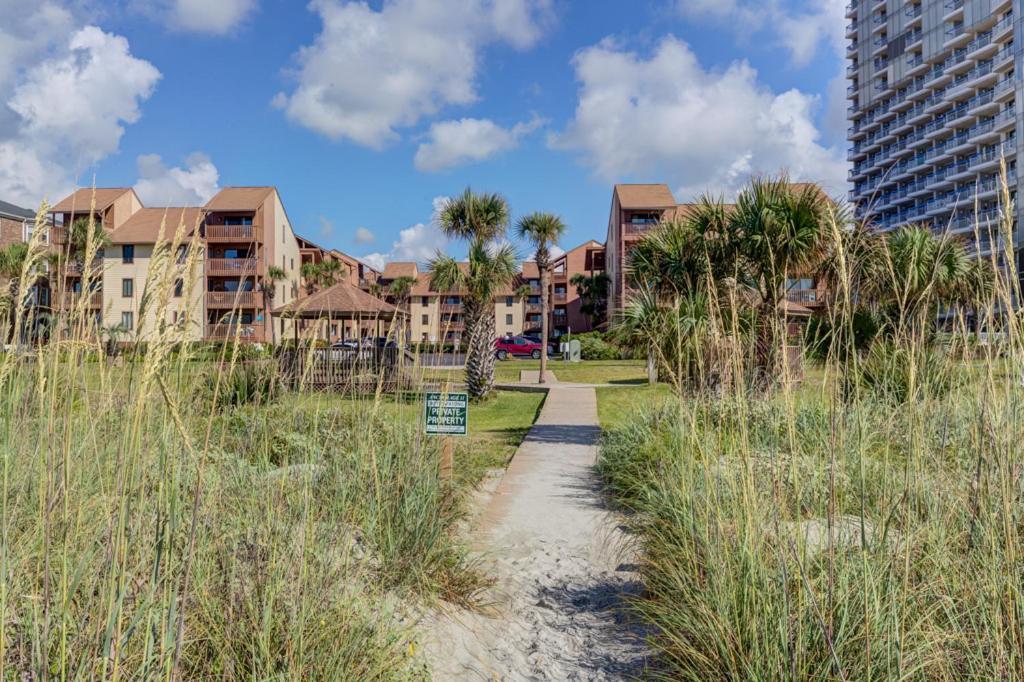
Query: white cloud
<point x="215" y="17"/>
<point x="799" y="32"/>
<point x="191" y="185"/>
<point x="67" y="109"/>
<point x="370" y="72"/>
<point x="364" y="236"/>
<point x="326" y="227"/>
<point x="700" y="130"/>
<point x="468" y="140"/>
<point x="418" y="243"/>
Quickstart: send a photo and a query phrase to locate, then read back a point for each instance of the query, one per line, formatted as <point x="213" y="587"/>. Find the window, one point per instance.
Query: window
<point x="426" y="301"/>
<point x="179" y="287"/>
<point x="128" y="253"/>
<point x="128" y="319"/>
<point x="508" y="301"/>
<point x="426" y="319"/>
<point x="127" y="288"/>
<point x="508" y="319"/>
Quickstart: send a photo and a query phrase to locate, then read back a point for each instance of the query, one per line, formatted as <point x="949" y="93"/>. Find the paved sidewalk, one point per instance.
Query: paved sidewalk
<point x="561" y="563"/>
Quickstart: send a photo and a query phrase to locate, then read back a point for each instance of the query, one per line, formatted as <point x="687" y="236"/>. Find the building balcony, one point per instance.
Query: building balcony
<point x="452" y="325"/>
<point x="72" y="299"/>
<point x="216" y="234"/>
<point x="229" y="331"/>
<point x="451" y="308"/>
<point x="805" y="296"/>
<point x="232" y="267"/>
<point x="234" y="299"/>
<point x="851" y="9"/>
<point x="558" y="297"/>
<point x="638" y="229"/>
<point x="560" y="277"/>
<point x="534" y="308"/>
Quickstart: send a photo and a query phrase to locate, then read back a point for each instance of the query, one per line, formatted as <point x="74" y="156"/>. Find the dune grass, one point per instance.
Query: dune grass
<point x="150" y="529"/>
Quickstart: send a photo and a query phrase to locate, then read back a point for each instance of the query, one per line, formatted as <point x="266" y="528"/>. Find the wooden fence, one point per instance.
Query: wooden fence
<point x="347" y="369"/>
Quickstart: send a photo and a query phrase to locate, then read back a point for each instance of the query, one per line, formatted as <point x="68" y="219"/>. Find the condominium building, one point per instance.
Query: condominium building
<point x="637" y="210"/>
<point x="933" y="86"/>
<point x="439" y="316"/>
<point x="587" y="259"/>
<point x="251" y="261"/>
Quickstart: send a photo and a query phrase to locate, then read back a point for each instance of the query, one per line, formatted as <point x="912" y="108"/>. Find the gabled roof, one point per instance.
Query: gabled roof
<point x="657" y="196"/>
<point x="12" y="211"/>
<point x="81" y="200"/>
<point x="340" y="301"/>
<point x="396" y="269"/>
<point x="143" y="227"/>
<point x="423" y="288"/>
<point x="238" y="199"/>
<point x="530" y="270"/>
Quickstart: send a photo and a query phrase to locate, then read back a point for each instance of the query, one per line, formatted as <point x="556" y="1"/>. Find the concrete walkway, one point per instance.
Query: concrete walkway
<point x="561" y="563"/>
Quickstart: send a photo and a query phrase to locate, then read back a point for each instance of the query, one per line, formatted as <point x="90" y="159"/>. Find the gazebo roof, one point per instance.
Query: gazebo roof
<point x="341" y="301"/>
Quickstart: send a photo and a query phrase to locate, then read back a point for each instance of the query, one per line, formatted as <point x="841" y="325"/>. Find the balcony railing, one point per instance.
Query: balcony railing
<point x="234" y="299"/>
<point x="230" y="330"/>
<point x="451" y="308"/>
<point x="805" y="295"/>
<point x="231" y="233"/>
<point x="558" y="297"/>
<point x="71" y="299"/>
<point x="231" y="266"/>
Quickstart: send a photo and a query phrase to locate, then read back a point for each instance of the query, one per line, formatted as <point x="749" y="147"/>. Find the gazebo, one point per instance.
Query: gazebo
<point x="359" y="367"/>
<point x="341" y="302"/>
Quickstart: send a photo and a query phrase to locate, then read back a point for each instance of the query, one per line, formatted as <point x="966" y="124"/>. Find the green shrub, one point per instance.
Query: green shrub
<point x="594" y="346"/>
<point x="899" y="374"/>
<point x="247" y="383"/>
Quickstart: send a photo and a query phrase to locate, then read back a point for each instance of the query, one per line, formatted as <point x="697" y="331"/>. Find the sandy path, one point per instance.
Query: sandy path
<point x="560" y="561"/>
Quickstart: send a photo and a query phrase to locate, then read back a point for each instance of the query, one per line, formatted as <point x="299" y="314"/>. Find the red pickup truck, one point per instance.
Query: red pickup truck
<point x="517" y="346"/>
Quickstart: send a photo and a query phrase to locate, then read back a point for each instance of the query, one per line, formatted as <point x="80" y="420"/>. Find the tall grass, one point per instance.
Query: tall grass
<point x="166" y="517"/>
<point x="867" y="526"/>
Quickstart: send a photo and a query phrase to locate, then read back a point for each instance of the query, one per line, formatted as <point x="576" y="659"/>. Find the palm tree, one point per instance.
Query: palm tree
<point x="542" y="230"/>
<point x="310" y="273"/>
<point x="480" y="219"/>
<point x="523" y="292"/>
<point x="331" y="271"/>
<point x="916" y="271"/>
<point x="269" y="287"/>
<point x="400" y="288"/>
<point x="780" y="230"/>
<point x="593" y="293"/>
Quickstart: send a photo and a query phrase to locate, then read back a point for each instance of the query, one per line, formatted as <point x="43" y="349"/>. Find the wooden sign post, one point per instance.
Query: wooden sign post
<point x="447" y="415"/>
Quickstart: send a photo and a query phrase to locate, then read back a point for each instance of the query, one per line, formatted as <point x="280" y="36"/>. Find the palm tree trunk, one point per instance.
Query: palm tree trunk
<point x="479" y="349"/>
<point x="544" y="277"/>
<point x="267" y="320"/>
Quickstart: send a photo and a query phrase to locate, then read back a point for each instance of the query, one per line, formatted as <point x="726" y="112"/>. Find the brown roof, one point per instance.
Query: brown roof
<point x="81" y="200"/>
<point x="422" y="286"/>
<point x="238" y="199"/>
<point x="340" y="301"/>
<point x="530" y="270"/>
<point x="645" y="196"/>
<point x="144" y="225"/>
<point x="400" y="269"/>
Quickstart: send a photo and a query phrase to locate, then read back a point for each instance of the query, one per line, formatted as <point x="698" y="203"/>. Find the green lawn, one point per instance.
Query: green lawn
<point x="586" y="372"/>
<point x="496" y="426"/>
<point x="617" y="405"/>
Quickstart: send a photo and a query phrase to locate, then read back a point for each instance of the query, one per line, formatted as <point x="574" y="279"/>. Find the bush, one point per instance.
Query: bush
<point x="898" y="374"/>
<point x="594" y="346"/>
<point x="247" y="383"/>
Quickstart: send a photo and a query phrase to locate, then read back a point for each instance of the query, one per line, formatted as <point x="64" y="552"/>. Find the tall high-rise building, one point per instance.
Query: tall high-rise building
<point x="933" y="86"/>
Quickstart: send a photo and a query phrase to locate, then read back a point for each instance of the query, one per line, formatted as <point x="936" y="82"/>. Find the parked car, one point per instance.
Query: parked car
<point x="517" y="346"/>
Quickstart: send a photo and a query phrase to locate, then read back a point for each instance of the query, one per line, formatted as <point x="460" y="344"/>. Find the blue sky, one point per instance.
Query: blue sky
<point x="364" y="114"/>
